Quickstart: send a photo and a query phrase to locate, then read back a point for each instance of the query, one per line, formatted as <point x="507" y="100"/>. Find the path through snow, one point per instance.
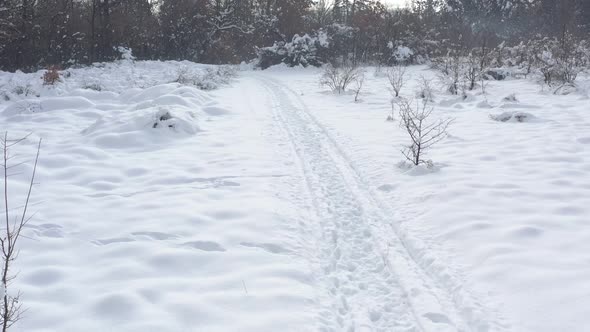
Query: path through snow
<point x="376" y="280"/>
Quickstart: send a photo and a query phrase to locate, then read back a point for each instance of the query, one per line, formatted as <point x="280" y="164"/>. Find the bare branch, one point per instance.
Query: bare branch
<point x="397" y="79"/>
<point x="423" y="134"/>
<point x="11" y="311"/>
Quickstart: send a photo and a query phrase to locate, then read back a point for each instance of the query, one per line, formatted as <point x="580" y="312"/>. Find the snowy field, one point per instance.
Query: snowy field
<point x="271" y="204"/>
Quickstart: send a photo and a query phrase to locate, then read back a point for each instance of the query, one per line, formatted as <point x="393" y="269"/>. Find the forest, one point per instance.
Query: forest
<point x="36" y="34"/>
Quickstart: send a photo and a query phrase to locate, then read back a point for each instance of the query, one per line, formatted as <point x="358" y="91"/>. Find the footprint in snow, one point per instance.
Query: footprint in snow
<point x="154" y="235"/>
<point x="103" y="242"/>
<point x="47" y="230"/>
<point x="272" y="248"/>
<point x="386" y="187"/>
<point x="205" y="245"/>
<point x="437" y="318"/>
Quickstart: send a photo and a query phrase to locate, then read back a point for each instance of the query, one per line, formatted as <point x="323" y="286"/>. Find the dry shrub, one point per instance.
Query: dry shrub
<point x="339" y="78"/>
<point x="52" y="75"/>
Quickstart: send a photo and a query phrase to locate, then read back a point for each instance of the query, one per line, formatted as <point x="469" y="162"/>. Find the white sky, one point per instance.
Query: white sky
<point x="394" y="2"/>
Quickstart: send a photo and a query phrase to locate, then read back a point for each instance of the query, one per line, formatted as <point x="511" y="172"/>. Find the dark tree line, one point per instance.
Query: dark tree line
<point x="39" y="33"/>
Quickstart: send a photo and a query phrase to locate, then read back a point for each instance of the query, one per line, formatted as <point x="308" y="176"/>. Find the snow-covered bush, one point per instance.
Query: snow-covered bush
<point x="558" y="61"/>
<point x="561" y="61"/>
<point x="327" y="45"/>
<point x="400" y="54"/>
<point x="126" y="54"/>
<point x="301" y="51"/>
<point x="92" y="86"/>
<point x="209" y="79"/>
<point x="214" y="77"/>
<point x="24" y="90"/>
<point x="513" y="117"/>
<point x="451" y="71"/>
<point x="516" y="60"/>
<point x="460" y="72"/>
<point x="270" y="56"/>
<point x="511" y="98"/>
<point x="338" y="78"/>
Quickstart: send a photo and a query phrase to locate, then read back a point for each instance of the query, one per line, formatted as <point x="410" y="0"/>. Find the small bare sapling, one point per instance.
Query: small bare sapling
<point x="423" y="132"/>
<point x="358" y="86"/>
<point x="11" y="308"/>
<point x="397" y="79"/>
<point x="391" y="116"/>
<point x="425" y="89"/>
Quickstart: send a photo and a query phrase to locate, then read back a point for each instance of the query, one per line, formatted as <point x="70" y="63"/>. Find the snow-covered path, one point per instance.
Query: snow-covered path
<point x="376" y="281"/>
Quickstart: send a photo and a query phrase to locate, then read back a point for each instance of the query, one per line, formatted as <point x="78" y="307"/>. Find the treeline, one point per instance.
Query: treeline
<point x="39" y="33"/>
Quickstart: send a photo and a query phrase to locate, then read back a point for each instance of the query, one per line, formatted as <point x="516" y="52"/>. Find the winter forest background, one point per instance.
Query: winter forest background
<point x="36" y="34"/>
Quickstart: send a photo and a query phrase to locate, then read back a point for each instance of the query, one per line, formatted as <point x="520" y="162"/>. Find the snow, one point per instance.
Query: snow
<point x="155" y="229"/>
<point x="400" y="53"/>
<point x="506" y="210"/>
<point x="270" y="205"/>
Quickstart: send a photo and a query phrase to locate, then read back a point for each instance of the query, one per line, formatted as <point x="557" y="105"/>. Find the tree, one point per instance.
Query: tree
<point x="291" y="16"/>
<point x="135" y="26"/>
<point x="422" y="132"/>
<point x="184" y="28"/>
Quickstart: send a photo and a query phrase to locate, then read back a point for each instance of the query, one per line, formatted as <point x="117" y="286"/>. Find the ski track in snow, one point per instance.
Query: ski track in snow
<point x="377" y="281"/>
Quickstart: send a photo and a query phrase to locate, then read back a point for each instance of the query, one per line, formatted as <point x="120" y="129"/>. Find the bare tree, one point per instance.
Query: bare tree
<point x="358" y="85"/>
<point x="397" y="79"/>
<point x="451" y="70"/>
<point x="391" y="116"/>
<point x="472" y="69"/>
<point x="321" y="14"/>
<point x="339" y="78"/>
<point x="423" y="132"/>
<point x="425" y="89"/>
<point x="11" y="310"/>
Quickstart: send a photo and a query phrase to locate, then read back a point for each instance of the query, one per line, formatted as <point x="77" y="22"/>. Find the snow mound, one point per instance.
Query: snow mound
<point x="513" y="117"/>
<point x="47" y="105"/>
<point x="57" y="103"/>
<point x="153" y="115"/>
<point x="22" y="107"/>
<point x="94" y="95"/>
<point x="566" y="89"/>
<point x="215" y="110"/>
<point x="140" y="127"/>
<point x="511" y="98"/>
<point x="418" y="170"/>
<point x="153" y="92"/>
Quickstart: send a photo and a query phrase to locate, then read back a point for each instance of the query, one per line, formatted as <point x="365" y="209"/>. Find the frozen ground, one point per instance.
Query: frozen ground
<point x="271" y="205"/>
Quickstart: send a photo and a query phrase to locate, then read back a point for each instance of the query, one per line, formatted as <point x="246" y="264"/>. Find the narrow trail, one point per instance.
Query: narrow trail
<point x="375" y="280"/>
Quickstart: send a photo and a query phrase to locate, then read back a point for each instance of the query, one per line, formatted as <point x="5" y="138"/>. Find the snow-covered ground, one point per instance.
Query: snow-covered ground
<point x="270" y="204"/>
